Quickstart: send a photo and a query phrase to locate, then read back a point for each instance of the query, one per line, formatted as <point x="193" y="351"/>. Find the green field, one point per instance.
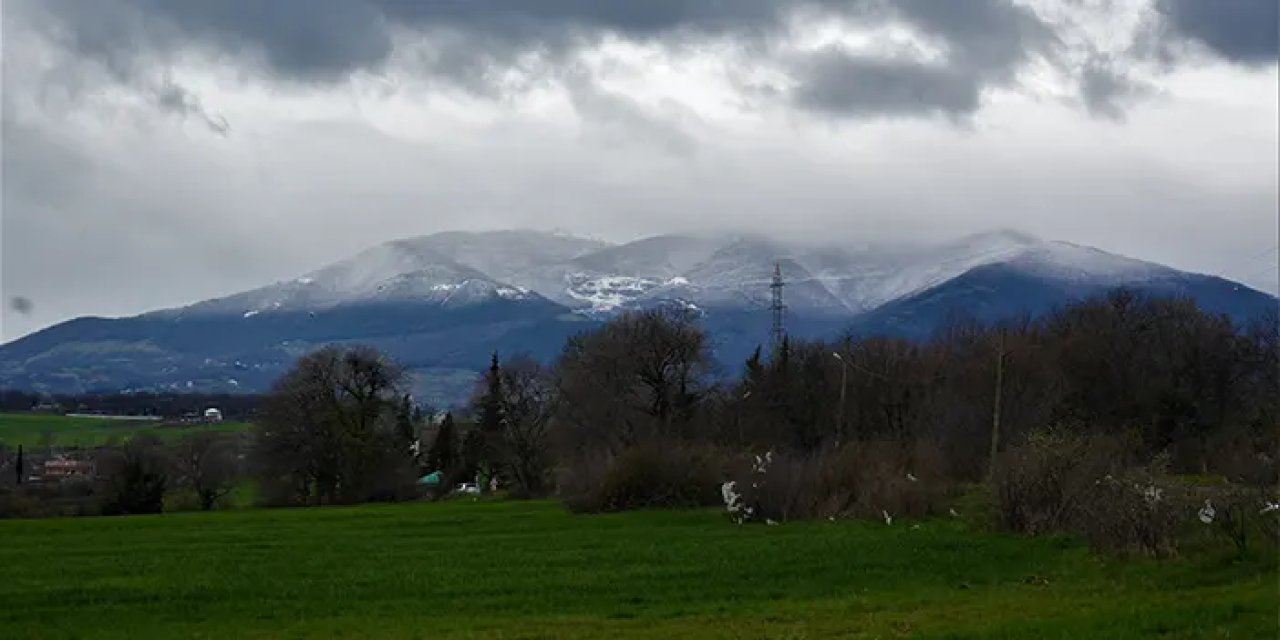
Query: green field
<point x="529" y="570"/>
<point x="30" y="429"/>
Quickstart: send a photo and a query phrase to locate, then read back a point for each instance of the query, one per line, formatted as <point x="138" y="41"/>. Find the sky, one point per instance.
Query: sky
<point x="154" y="153"/>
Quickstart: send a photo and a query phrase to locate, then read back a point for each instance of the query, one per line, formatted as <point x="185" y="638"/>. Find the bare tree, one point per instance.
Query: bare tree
<point x="527" y="403"/>
<point x="207" y="463"/>
<point x="639" y="376"/>
<point x="137" y="477"/>
<point x="328" y="427"/>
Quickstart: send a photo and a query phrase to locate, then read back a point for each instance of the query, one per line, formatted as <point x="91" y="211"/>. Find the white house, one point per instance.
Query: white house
<point x="212" y="415"/>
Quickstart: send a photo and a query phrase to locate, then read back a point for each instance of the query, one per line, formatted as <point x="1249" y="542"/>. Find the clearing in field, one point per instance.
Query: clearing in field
<point x="530" y="570"/>
<point x="35" y="429"/>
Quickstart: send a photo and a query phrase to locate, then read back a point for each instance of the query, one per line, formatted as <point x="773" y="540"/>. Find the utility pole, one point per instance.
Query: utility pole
<point x="995" y="410"/>
<point x="777" y="332"/>
<point x="18" y="466"/>
<point x="844" y="384"/>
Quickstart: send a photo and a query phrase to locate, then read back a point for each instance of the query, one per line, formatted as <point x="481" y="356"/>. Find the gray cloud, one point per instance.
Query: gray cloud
<point x="1107" y="89"/>
<point x="1242" y="31"/>
<point x="327" y="40"/>
<point x="173" y="98"/>
<point x="838" y="83"/>
<point x="469" y="43"/>
<point x="986" y="42"/>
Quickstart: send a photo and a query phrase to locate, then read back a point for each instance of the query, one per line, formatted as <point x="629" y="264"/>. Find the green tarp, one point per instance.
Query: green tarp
<point x="432" y="478"/>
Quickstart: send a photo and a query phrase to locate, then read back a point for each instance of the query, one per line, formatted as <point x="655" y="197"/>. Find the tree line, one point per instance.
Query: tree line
<point x="238" y="407"/>
<point x="1161" y="374"/>
<point x="637" y="413"/>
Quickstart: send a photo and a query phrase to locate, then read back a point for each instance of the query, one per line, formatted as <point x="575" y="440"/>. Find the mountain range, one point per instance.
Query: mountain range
<point x="440" y="304"/>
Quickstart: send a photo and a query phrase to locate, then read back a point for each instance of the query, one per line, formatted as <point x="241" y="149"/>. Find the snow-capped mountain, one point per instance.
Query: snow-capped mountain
<point x="420" y="270"/>
<point x="595" y="278"/>
<point x="441" y="303"/>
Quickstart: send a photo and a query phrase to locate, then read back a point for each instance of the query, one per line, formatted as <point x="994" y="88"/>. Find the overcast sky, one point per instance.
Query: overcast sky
<point x="158" y="152"/>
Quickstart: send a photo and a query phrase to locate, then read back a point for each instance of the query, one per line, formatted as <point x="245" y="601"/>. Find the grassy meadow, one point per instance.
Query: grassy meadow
<point x="468" y="569"/>
<point x="31" y="429"/>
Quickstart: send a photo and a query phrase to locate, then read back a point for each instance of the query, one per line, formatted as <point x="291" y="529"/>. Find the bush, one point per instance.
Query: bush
<point x="1140" y="511"/>
<point x="1058" y="482"/>
<point x="1040" y="486"/>
<point x="885" y="477"/>
<point x="862" y="479"/>
<point x="138" y="478"/>
<point x="1241" y="514"/>
<point x="654" y="475"/>
<point x="71" y="497"/>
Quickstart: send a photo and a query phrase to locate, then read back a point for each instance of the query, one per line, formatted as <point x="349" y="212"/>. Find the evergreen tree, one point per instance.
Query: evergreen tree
<point x="491" y="400"/>
<point x="486" y="445"/>
<point x="754" y="373"/>
<point x="406" y="426"/>
<point x="443" y="453"/>
<point x="474" y="455"/>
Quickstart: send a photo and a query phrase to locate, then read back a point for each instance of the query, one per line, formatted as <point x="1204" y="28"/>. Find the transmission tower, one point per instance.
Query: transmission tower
<point x="777" y="331"/>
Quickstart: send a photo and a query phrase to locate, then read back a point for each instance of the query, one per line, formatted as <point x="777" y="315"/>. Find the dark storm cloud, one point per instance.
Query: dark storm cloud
<point x="1242" y="31"/>
<point x="327" y="40"/>
<point x="986" y="41"/>
<point x="469" y="42"/>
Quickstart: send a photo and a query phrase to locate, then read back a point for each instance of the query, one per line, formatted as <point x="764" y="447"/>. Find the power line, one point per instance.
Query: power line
<point x="1273" y="270"/>
<point x="1263" y="254"/>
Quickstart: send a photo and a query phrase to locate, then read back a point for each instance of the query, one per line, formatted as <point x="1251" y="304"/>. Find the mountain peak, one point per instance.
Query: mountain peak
<point x="1000" y="237"/>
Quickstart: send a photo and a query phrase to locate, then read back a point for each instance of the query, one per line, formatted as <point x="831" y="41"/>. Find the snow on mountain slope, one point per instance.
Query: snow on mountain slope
<point x="869" y="276"/>
<point x="1067" y="261"/>
<point x="534" y="260"/>
<point x="601" y="295"/>
<point x="737" y="271"/>
<point x="657" y="257"/>
<point x="402" y="270"/>
<point x="459" y="268"/>
<point x="740" y="274"/>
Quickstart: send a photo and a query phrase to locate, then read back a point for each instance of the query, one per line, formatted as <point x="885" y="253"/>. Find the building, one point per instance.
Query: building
<point x="62" y="468"/>
<point x="212" y="415"/>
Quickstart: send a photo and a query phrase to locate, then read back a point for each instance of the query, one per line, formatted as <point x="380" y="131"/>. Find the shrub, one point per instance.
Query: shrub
<point x="1241" y="513"/>
<point x="885" y="477"/>
<point x="1140" y="511"/>
<point x="869" y="479"/>
<point x="1039" y="486"/>
<point x="653" y="475"/>
<point x="138" y="478"/>
<point x="1058" y="482"/>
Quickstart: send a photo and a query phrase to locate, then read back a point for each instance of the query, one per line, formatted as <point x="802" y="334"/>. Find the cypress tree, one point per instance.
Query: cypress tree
<point x="405" y="424"/>
<point x="491" y="402"/>
<point x="443" y="453"/>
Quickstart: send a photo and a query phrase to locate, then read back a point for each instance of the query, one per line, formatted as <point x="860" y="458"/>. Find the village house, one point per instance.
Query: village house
<point x="62" y="468"/>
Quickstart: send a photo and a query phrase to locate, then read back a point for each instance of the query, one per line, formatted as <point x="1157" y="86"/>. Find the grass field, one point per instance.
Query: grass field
<point x="529" y="570"/>
<point x="29" y="429"/>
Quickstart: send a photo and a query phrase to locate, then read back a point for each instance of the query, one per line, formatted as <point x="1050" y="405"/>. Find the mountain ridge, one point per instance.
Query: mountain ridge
<point x="427" y="301"/>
